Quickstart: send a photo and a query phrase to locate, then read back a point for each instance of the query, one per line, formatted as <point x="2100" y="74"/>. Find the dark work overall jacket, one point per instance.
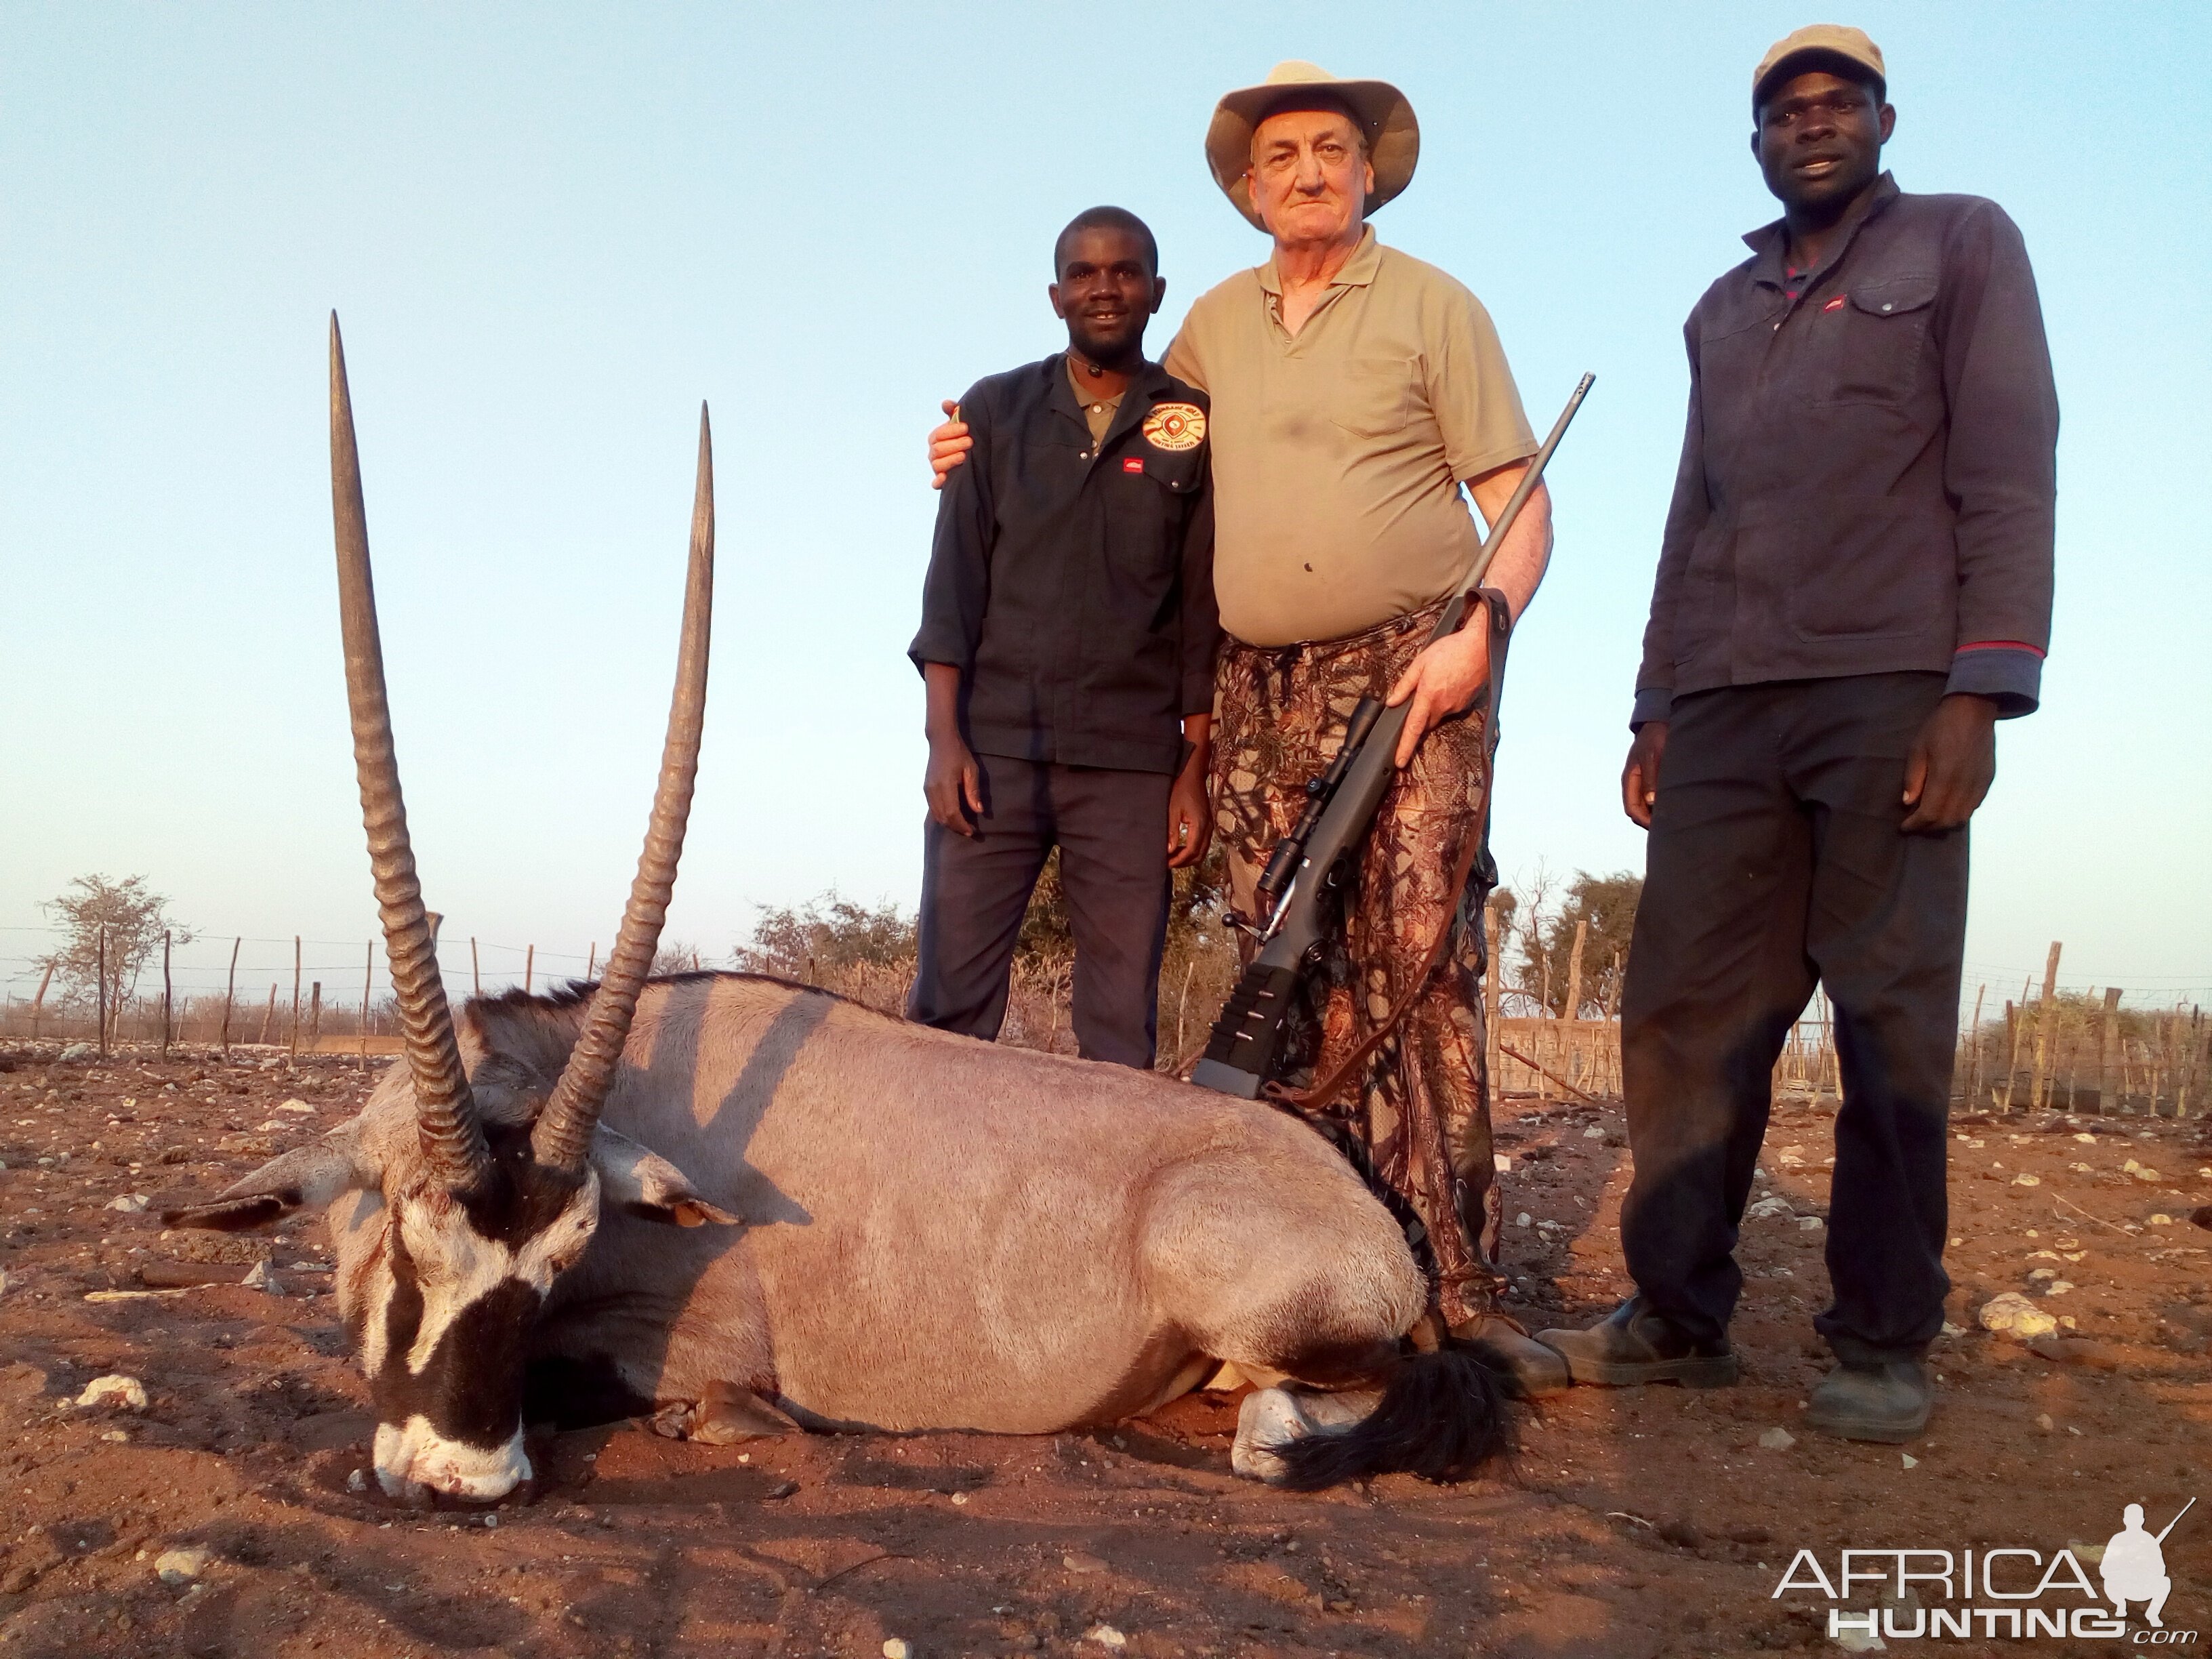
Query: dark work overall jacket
<point x="1071" y="583"/>
<point x="1868" y="478"/>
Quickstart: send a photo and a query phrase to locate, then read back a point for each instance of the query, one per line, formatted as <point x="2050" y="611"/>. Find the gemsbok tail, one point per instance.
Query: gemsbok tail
<point x="1442" y="1417"/>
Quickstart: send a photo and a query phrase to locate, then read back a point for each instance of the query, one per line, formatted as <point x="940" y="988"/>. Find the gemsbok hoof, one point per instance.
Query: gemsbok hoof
<point x="1271" y="1418"/>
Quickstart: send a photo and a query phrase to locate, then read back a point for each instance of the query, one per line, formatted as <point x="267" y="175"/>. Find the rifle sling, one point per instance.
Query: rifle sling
<point x="1317" y="1099"/>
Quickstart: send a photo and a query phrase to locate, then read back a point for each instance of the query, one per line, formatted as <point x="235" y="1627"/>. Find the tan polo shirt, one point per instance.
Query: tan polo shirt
<point x="1097" y="412"/>
<point x="1338" y="453"/>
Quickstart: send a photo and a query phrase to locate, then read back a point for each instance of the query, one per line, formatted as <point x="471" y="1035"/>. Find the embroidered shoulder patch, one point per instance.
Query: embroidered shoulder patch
<point x="1175" y="426"/>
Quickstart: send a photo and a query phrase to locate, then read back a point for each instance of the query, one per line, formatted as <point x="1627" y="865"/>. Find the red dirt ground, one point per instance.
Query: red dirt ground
<point x="1630" y="1523"/>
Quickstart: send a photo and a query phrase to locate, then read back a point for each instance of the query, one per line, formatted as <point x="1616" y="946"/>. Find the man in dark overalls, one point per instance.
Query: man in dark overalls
<point x="1067" y="641"/>
<point x="1854" y="587"/>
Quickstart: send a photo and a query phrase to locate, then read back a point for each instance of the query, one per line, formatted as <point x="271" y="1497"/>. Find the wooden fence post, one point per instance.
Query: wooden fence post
<point x="2015" y="1018"/>
<point x="100" y="993"/>
<point x="476" y="970"/>
<point x="367" y="980"/>
<point x="38" y="1002"/>
<point x="295" y="997"/>
<point x="2043" y="1022"/>
<point x="2196" y="1053"/>
<point x="315" y="1019"/>
<point x="529" y="967"/>
<point x="268" y="1017"/>
<point x="1492" y="1035"/>
<point x="1974" y="1043"/>
<point x="229" y="992"/>
<point x="2108" y="1041"/>
<point x="1572" y="1010"/>
<point x="592" y="963"/>
<point x="167" y="992"/>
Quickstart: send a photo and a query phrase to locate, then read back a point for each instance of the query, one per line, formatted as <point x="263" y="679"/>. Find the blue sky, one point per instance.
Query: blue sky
<point x="551" y="231"/>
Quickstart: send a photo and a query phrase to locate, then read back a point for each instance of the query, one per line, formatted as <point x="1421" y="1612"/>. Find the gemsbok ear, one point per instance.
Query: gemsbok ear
<point x="647" y="1185"/>
<point x="314" y="1174"/>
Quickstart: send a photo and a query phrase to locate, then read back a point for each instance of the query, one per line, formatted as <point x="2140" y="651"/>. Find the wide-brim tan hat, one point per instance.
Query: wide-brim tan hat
<point x="1806" y="47"/>
<point x="1394" y="136"/>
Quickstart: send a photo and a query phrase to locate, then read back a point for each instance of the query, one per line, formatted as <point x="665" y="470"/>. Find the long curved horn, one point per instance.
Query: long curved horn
<point x="452" y="1139"/>
<point x="563" y="1135"/>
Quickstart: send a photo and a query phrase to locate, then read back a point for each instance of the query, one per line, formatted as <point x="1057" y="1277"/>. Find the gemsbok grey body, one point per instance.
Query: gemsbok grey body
<point x="576" y="1206"/>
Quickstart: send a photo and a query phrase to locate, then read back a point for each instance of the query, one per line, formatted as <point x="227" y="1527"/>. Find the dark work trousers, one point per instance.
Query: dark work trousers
<point x="1111" y="828"/>
<point x="1775" y="862"/>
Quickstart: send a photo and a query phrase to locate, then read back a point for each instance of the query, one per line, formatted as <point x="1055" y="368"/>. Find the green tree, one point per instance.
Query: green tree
<point x="827" y="933"/>
<point x="121" y="922"/>
<point x="1609" y="904"/>
<point x="1196" y="896"/>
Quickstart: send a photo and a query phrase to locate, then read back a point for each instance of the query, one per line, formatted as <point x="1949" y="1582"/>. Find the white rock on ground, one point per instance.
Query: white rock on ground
<point x="262" y="1280"/>
<point x="181" y="1566"/>
<point x="296" y="1106"/>
<point x="897" y="1648"/>
<point x="124" y="1392"/>
<point x="1107" y="1637"/>
<point x="1767" y="1207"/>
<point x="2012" y="1315"/>
<point x="1777" y="1438"/>
<point x="77" y="1051"/>
<point x="129" y="1203"/>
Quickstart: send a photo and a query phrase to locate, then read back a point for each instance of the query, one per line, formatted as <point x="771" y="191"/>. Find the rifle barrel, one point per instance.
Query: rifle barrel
<point x="2176" y="1522"/>
<point x="1529" y="480"/>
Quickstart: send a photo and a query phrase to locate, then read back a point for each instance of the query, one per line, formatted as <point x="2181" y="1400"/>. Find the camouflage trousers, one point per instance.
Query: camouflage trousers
<point x="1417" y="1121"/>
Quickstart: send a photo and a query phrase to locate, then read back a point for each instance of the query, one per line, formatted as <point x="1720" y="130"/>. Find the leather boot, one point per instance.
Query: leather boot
<point x="1631" y="1344"/>
<point x="1527" y="1369"/>
<point x="1888" y="1402"/>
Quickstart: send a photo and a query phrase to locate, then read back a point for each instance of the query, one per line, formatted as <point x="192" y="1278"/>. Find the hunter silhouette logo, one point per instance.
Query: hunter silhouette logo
<point x="1995" y="1592"/>
<point x="2134" y="1567"/>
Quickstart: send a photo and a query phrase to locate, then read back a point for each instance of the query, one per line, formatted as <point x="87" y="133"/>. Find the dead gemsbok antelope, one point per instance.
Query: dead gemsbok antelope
<point x="576" y="1205"/>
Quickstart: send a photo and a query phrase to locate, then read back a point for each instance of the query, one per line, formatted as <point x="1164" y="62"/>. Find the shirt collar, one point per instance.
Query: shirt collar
<point x="1146" y="387"/>
<point x="1358" y="271"/>
<point x="1769" y="241"/>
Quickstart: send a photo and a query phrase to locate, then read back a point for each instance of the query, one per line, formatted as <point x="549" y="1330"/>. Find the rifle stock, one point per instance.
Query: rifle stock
<point x="1310" y="865"/>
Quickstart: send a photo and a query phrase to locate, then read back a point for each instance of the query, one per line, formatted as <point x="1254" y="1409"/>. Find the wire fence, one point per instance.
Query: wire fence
<point x="2056" y="1042"/>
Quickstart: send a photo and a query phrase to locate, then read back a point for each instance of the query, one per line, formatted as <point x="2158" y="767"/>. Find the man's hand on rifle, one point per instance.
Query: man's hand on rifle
<point x="1444" y="680"/>
<point x="1640" y="779"/>
<point x="949" y="445"/>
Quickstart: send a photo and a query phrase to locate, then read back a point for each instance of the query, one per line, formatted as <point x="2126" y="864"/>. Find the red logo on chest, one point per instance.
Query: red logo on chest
<point x="1835" y="304"/>
<point x="1132" y="463"/>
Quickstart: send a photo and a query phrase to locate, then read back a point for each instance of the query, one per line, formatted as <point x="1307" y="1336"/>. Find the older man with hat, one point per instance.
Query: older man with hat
<point x="1357" y="398"/>
<point x="1854" y="586"/>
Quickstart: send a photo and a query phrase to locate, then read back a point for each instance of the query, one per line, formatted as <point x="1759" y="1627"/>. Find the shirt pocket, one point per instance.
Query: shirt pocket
<point x="1859" y="568"/>
<point x="1148" y="495"/>
<point x="1878" y="340"/>
<point x="1370" y="396"/>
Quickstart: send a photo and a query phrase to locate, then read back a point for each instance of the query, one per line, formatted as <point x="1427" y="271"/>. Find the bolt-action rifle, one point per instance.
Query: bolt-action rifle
<point x="1295" y="895"/>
